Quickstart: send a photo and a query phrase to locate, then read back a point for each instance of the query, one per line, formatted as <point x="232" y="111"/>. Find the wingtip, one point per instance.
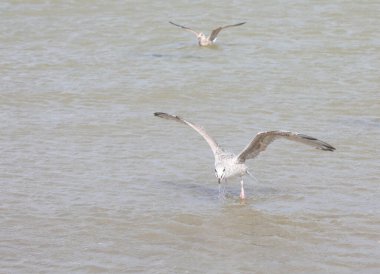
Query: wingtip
<point x="158" y="113"/>
<point x="174" y="24"/>
<point x="332" y="148"/>
<point x="242" y="23"/>
<point x="323" y="146"/>
<point x="328" y="148"/>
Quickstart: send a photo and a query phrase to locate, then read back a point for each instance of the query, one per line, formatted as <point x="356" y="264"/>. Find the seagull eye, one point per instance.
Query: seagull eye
<point x="224" y="169"/>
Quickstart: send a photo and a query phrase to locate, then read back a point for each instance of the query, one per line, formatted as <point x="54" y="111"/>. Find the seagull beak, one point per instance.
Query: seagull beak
<point x="218" y="180"/>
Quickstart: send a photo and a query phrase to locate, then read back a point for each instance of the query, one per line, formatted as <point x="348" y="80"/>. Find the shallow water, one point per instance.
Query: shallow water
<point x="93" y="182"/>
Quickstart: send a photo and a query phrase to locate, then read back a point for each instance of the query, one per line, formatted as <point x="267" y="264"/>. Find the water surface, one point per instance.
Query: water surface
<point x="92" y="182"/>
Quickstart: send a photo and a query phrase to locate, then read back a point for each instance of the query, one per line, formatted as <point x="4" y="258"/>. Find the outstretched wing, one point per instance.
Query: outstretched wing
<point x="263" y="139"/>
<point x="212" y="143"/>
<point x="186" y="28"/>
<point x="215" y="32"/>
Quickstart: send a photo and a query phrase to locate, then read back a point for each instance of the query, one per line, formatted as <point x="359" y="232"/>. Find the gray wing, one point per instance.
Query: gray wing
<point x="215" y="32"/>
<point x="263" y="139"/>
<point x="212" y="143"/>
<point x="186" y="28"/>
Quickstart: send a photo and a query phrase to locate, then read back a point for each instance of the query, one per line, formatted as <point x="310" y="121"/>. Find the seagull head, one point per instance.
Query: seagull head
<point x="220" y="172"/>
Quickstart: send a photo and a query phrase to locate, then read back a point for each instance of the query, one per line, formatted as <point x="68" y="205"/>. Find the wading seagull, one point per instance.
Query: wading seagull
<point x="202" y="39"/>
<point x="229" y="165"/>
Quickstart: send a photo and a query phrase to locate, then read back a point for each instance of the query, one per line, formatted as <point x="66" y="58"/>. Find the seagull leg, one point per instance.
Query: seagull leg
<point x="242" y="195"/>
<point x="222" y="191"/>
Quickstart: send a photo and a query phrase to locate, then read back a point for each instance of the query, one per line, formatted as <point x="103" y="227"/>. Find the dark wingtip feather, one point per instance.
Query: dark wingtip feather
<point x="159" y="114"/>
<point x="307" y="137"/>
<point x="330" y="148"/>
<point x="327" y="147"/>
<point x="324" y="146"/>
<point x="167" y="116"/>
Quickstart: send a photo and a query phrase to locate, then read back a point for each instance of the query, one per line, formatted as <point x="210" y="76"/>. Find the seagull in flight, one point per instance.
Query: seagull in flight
<point x="229" y="165"/>
<point x="203" y="40"/>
